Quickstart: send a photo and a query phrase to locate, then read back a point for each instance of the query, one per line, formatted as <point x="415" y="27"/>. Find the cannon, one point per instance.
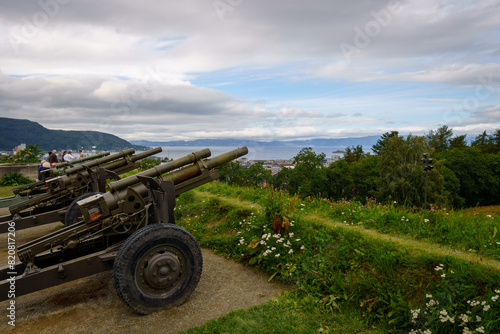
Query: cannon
<point x="130" y="230"/>
<point x="24" y="192"/>
<point x="64" y="191"/>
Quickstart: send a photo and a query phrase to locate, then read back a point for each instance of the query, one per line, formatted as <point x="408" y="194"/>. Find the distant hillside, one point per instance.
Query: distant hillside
<point x="367" y="142"/>
<point x="16" y="131"/>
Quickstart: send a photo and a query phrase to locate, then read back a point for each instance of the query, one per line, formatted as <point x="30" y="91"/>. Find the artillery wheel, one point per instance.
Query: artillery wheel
<point x="73" y="212"/>
<point x="157" y="267"/>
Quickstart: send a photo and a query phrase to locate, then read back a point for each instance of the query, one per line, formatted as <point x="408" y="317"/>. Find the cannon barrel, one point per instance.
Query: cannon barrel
<point x="57" y="170"/>
<point x="161" y="169"/>
<point x="121" y="159"/>
<point x="100" y="161"/>
<point x="81" y="160"/>
<point x="113" y="200"/>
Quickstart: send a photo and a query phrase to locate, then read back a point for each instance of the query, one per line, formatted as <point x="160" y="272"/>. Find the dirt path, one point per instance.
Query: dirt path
<point x="90" y="305"/>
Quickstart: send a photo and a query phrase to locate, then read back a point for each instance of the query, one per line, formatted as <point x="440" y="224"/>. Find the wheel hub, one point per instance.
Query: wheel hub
<point x="160" y="270"/>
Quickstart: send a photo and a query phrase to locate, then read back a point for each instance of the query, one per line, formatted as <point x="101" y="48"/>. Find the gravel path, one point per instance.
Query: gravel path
<point x="90" y="305"/>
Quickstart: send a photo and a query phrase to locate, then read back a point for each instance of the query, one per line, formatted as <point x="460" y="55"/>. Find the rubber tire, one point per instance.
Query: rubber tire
<point x="73" y="212"/>
<point x="136" y="246"/>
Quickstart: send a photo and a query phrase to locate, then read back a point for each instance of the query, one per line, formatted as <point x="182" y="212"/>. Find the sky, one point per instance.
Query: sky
<point x="164" y="70"/>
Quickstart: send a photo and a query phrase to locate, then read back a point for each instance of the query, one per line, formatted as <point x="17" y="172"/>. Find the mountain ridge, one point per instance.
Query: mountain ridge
<point x="319" y="142"/>
<point x="16" y="131"/>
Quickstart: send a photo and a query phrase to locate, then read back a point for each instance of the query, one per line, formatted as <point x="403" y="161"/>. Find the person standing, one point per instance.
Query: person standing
<point x="53" y="158"/>
<point x="81" y="154"/>
<point x="62" y="156"/>
<point x="69" y="156"/>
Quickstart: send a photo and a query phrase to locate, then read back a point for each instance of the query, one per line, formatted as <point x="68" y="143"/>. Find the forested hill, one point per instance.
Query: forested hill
<point x="16" y="131"/>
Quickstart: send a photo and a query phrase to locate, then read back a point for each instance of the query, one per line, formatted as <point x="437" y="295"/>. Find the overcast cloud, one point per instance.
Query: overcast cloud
<point x="266" y="70"/>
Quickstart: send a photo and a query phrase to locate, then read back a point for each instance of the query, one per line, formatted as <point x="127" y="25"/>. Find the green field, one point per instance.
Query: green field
<point x="352" y="268"/>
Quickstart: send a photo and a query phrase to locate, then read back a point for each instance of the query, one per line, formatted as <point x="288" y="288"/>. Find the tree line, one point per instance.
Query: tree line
<point x="463" y="174"/>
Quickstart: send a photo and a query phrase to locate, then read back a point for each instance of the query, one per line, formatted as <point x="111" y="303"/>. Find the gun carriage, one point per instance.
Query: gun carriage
<point x="58" y="203"/>
<point x="131" y="230"/>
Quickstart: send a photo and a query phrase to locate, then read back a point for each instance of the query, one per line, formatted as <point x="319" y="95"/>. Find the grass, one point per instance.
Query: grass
<point x="340" y="266"/>
<point x="285" y="315"/>
<point x="475" y="230"/>
<point x="6" y="191"/>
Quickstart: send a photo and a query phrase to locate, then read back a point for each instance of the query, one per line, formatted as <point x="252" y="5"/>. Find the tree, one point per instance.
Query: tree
<point x="256" y="175"/>
<point x="458" y="142"/>
<point x="231" y="173"/>
<point x="381" y="142"/>
<point x="32" y="153"/>
<point x="308" y="178"/>
<point x="495" y="141"/>
<point x="353" y="154"/>
<point x="439" y="140"/>
<point x="484" y="143"/>
<point x="402" y="174"/>
<point x="478" y="174"/>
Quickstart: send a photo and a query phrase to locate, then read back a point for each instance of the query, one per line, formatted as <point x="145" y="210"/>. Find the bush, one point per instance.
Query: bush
<point x="14" y="179"/>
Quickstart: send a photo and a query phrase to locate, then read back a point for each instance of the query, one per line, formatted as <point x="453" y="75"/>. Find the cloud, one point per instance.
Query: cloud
<point x="139" y="69"/>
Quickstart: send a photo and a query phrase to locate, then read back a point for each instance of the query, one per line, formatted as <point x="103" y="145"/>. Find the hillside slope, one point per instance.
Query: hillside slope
<point x="16" y="131"/>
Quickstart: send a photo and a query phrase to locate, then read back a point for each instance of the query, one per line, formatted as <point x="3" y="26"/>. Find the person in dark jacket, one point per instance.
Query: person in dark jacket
<point x="53" y="158"/>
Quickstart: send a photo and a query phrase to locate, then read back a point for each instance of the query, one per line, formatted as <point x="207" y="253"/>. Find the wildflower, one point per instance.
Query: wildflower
<point x="497" y="291"/>
<point x="302" y="247"/>
<point x="428" y="296"/>
<point x="297" y="239"/>
<point x="277" y="255"/>
<point x="426" y="220"/>
<point x="463" y="317"/>
<point x="290" y="251"/>
<point x="432" y="302"/>
<point x="494" y="298"/>
<point x="486" y="308"/>
<point x="415" y="313"/>
<point x="480" y="329"/>
<point x="478" y="318"/>
<point x="443" y="275"/>
<point x="467" y="330"/>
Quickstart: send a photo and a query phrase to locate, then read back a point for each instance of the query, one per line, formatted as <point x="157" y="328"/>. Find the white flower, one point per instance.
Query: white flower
<point x="478" y="318"/>
<point x="480" y="329"/>
<point x="497" y="291"/>
<point x="290" y="251"/>
<point x="302" y="247"/>
<point x="464" y="317"/>
<point x="443" y="275"/>
<point x="486" y="308"/>
<point x="428" y="296"/>
<point x="277" y="255"/>
<point x="494" y="298"/>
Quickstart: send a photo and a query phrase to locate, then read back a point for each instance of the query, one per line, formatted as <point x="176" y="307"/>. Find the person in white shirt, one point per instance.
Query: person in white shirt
<point x="69" y="156"/>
